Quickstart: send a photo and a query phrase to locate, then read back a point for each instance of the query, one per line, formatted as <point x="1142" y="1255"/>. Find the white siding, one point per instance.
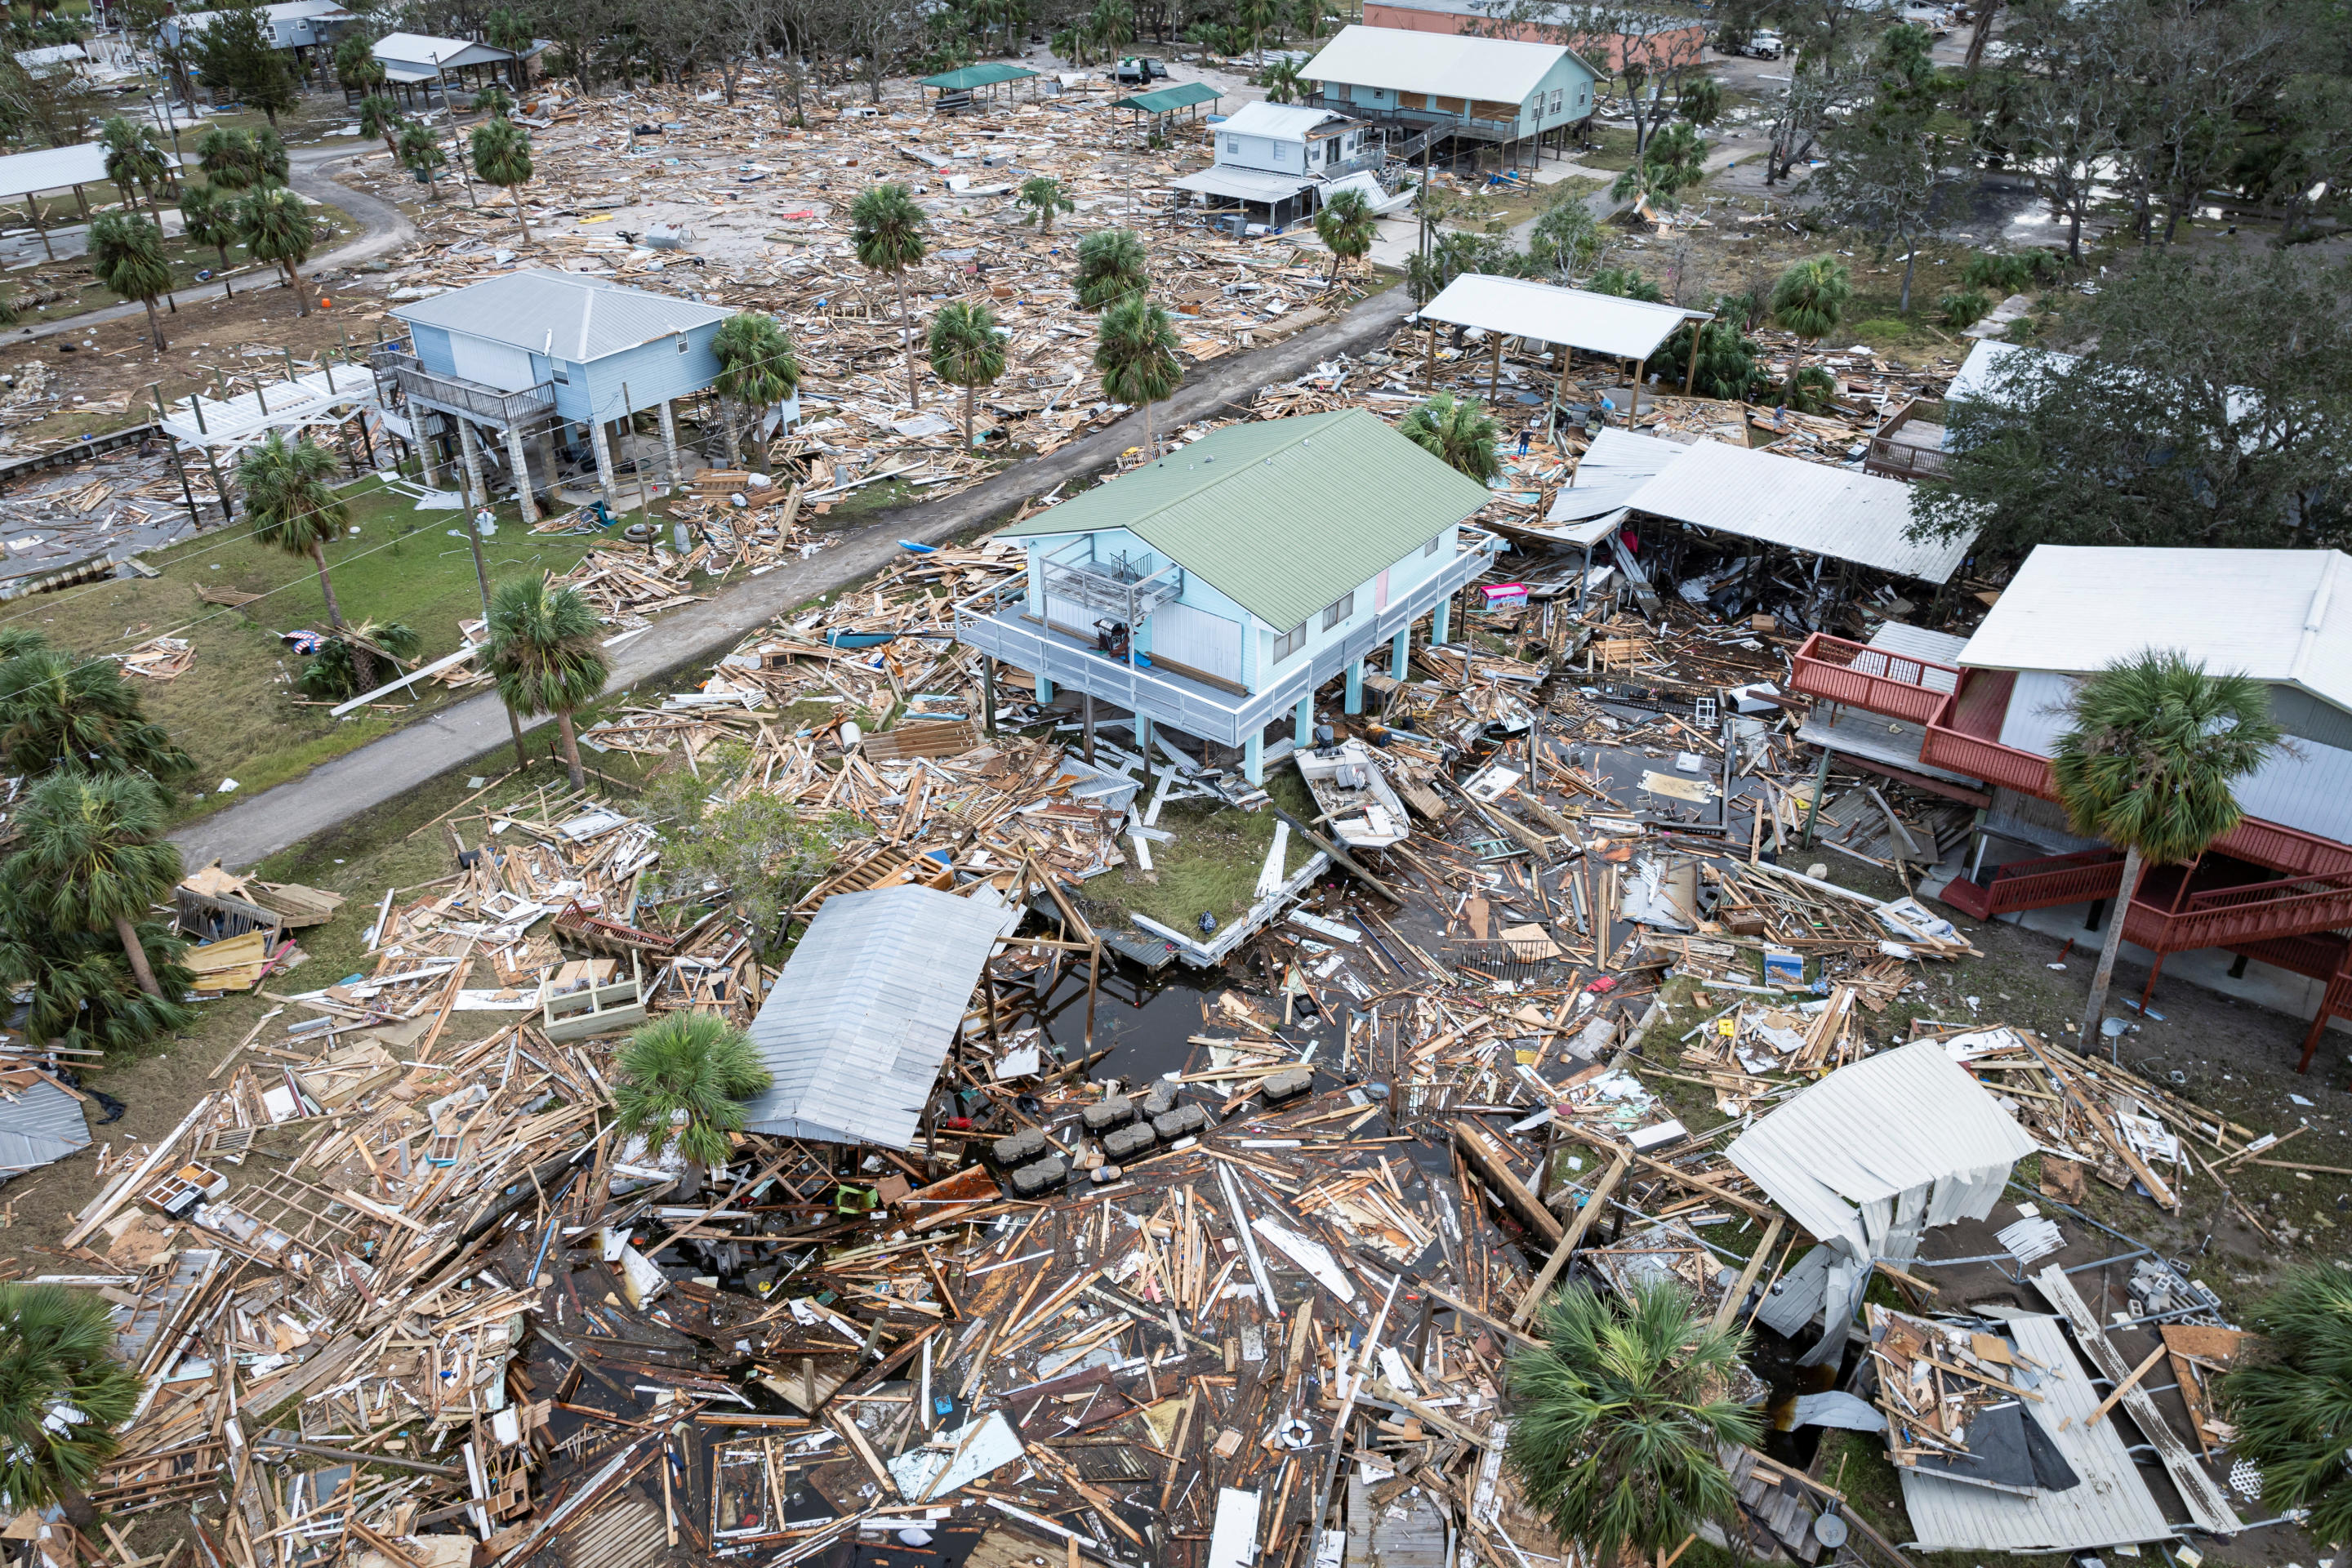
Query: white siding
<point x="2037" y="711"/>
<point x="1196" y="639"/>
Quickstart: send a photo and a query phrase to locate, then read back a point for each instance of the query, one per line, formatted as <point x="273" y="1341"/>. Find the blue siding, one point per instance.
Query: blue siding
<point x="652" y="371"/>
<point x="433" y="351"/>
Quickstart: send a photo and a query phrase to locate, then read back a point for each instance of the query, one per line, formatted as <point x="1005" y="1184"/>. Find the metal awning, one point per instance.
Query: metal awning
<point x="1242" y="184"/>
<point x="1597" y="323"/>
<point x="1616" y="465"/>
<point x="1169" y="99"/>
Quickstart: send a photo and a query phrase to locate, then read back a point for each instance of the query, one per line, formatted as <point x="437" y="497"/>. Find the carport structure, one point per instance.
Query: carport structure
<point x="29" y="174"/>
<point x="1627" y="331"/>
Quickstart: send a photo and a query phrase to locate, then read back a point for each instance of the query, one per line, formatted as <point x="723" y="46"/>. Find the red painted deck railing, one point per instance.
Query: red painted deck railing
<point x="1872" y="678"/>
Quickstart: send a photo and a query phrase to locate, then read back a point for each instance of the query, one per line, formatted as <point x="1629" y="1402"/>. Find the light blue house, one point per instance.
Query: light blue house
<point x="1217" y="588"/>
<point x="1504" y="91"/>
<point x="549" y="355"/>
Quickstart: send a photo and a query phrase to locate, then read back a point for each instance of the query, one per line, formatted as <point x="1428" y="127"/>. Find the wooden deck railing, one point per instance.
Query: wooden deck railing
<point x="1874" y="678"/>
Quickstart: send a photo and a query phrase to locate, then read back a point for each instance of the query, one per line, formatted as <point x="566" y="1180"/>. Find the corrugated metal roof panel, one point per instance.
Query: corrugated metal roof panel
<point x="866" y="1010"/>
<point x="1282" y="516"/>
<point x="2111" y="1507"/>
<point x="1244" y="184"/>
<point x="42" y="1124"/>
<point x="1597" y="323"/>
<point x="52" y="169"/>
<point x="1497" y="70"/>
<point x="2281" y="615"/>
<point x="567" y="315"/>
<point x="1842" y="513"/>
<point x="1906" y="1117"/>
<point x="1613" y="468"/>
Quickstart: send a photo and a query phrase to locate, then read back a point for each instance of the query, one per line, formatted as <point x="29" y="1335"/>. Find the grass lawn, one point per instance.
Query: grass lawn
<point x="82" y="293"/>
<point x="1214" y="862"/>
<point x="236" y="709"/>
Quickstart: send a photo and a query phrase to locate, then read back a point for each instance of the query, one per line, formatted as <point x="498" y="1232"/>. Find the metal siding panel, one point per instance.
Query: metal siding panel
<point x="2036" y="716"/>
<point x="432" y="348"/>
<point x="1191" y="636"/>
<point x="2311" y="791"/>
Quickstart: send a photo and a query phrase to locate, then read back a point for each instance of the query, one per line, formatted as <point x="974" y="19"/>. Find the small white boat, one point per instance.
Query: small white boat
<point x="1358" y="803"/>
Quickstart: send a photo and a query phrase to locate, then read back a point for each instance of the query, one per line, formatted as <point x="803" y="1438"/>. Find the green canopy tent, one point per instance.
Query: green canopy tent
<point x="970" y="79"/>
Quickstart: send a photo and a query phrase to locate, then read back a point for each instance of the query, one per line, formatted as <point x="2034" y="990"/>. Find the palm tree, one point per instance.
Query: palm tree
<point x="278" y="228"/>
<point x="380" y="117"/>
<point x="271" y="163"/>
<point x="2154" y="748"/>
<point x="1111" y="266"/>
<point x="1618" y="1417"/>
<point x="1346" y="227"/>
<point x="511" y="30"/>
<point x="91" y="855"/>
<point x="226" y="155"/>
<point x="1256" y="15"/>
<point x="886" y="228"/>
<point x="684" y="1078"/>
<point x="1809" y="301"/>
<point x="134" y="161"/>
<point x="2290" y="1397"/>
<point x="209" y="217"/>
<point x="757" y="369"/>
<point x="1458" y="430"/>
<point x="494" y="101"/>
<point x="57" y="1356"/>
<point x="545" y="656"/>
<point x="1042" y="196"/>
<point x="502" y="157"/>
<point x="126" y="254"/>
<point x="356" y="68"/>
<point x="1112" y="23"/>
<point x="967" y="350"/>
<point x="290" y="500"/>
<point x="1282" y="82"/>
<point x="420" y="154"/>
<point x="60" y="711"/>
<point x="1136" y="352"/>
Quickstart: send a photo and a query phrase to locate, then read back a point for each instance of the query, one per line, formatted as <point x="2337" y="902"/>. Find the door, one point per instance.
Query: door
<point x="1381" y="592"/>
<point x="492" y="364"/>
<point x="1196" y="639"/>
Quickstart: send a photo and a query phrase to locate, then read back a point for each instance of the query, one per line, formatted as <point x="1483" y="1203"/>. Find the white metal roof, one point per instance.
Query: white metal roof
<point x="2279" y="616"/>
<point x="2111" y="1507"/>
<point x="1617" y="464"/>
<point x="1842" y="513"/>
<point x="1597" y="323"/>
<point x="1283" y="122"/>
<point x="1907" y="1117"/>
<point x="284" y="11"/>
<point x="424" y="49"/>
<point x="53" y="54"/>
<point x="866" y="1009"/>
<point x="1244" y="184"/>
<point x="1497" y="70"/>
<point x="569" y="316"/>
<point x="52" y="169"/>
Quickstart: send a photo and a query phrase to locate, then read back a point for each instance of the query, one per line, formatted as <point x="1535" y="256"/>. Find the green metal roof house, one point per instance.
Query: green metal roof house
<point x="1248" y="568"/>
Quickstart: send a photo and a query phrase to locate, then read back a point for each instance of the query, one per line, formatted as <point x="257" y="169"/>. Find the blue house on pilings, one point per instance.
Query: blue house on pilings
<point x="565" y="358"/>
<point x="1216" y="589"/>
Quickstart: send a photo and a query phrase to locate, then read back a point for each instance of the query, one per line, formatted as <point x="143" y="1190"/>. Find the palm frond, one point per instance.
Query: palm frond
<point x="2156" y="745"/>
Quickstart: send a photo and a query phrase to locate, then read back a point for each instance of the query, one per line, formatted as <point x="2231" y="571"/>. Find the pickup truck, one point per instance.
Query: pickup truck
<point x="1140" y="70"/>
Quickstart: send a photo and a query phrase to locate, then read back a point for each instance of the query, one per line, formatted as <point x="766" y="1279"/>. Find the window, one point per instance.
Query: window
<point x="1559" y="95"/>
<point x="1290" y="642"/>
<point x="1232" y="144"/>
<point x="682" y="342"/>
<point x="1431" y="548"/>
<point x="563" y="376"/>
<point x="1338" y="610"/>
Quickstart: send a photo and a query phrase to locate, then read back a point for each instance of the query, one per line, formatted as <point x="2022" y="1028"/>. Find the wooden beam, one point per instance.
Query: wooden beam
<point x="1594" y="1204"/>
<point x="1486" y="1157"/>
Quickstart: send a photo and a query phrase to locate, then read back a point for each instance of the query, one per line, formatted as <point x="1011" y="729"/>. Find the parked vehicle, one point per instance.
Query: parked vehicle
<point x="1140" y="70"/>
<point x="1763" y="46"/>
